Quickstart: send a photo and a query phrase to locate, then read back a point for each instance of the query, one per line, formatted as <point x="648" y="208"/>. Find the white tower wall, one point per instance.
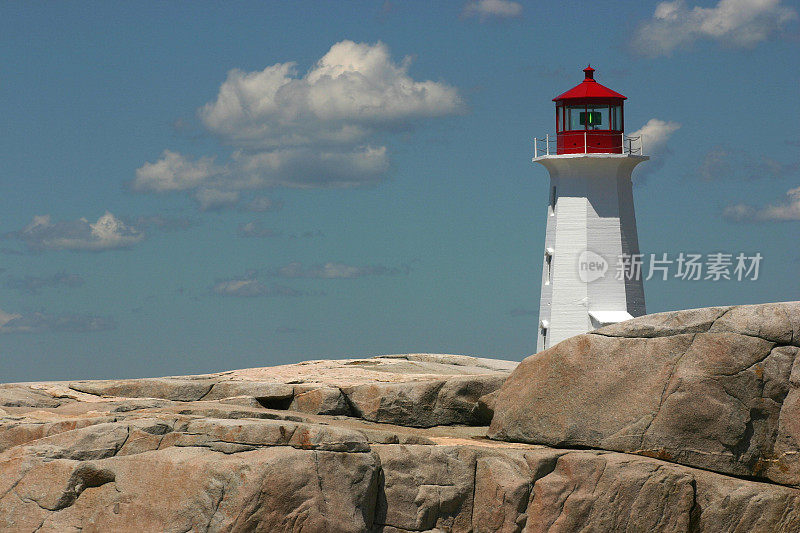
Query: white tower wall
<point x="593" y="213"/>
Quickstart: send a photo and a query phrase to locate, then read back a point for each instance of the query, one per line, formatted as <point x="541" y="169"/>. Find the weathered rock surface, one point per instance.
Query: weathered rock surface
<point x="421" y="390"/>
<point x="715" y="388"/>
<point x="306" y="448"/>
<point x="427" y="404"/>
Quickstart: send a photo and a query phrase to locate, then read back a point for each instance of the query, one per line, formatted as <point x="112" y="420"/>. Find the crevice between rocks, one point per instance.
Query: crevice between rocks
<point x="275" y="403"/>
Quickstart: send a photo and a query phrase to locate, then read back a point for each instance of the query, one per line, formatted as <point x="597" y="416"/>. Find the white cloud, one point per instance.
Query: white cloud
<point x="353" y="91"/>
<point x="174" y="172"/>
<point x="492" y="8"/>
<point x="789" y="209"/>
<point x="740" y="23"/>
<point x="324" y="128"/>
<point x="255" y="229"/>
<point x="214" y="199"/>
<point x="332" y="270"/>
<point x="249" y="287"/>
<point x="107" y="233"/>
<point x="38" y="322"/>
<point x="5" y="318"/>
<point x="309" y="168"/>
<point x="739" y="212"/>
<point x="655" y="134"/>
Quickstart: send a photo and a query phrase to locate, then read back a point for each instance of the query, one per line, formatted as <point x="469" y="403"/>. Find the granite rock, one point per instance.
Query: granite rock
<point x="713" y="388"/>
<point x="156" y="460"/>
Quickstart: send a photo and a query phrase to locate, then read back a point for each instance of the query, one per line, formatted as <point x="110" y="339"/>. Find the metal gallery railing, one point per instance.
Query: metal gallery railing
<point x="630" y="145"/>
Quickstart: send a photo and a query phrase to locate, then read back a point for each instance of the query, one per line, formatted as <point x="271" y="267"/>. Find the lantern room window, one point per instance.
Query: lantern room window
<point x="595" y="118"/>
<point x="616" y="118"/>
<point x="589" y="117"/>
<point x="574" y="120"/>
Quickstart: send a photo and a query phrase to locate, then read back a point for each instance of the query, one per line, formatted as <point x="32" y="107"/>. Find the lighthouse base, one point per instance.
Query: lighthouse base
<point x="591" y="230"/>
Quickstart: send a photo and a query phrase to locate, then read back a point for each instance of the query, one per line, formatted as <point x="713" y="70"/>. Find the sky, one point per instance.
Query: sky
<point x="195" y="187"/>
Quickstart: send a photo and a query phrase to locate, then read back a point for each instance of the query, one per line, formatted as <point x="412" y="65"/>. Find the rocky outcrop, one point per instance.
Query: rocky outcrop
<point x="182" y="472"/>
<point x="422" y="390"/>
<point x="715" y="388"/>
<point x="426" y="404"/>
<point x="385" y="444"/>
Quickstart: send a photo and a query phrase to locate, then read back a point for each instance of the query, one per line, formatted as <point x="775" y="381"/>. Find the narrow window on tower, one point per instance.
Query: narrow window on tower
<point x="553" y="200"/>
<point x="543" y="330"/>
<point x="548" y="266"/>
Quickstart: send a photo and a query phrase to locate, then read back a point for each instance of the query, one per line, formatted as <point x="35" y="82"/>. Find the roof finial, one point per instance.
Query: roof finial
<point x="589" y="72"/>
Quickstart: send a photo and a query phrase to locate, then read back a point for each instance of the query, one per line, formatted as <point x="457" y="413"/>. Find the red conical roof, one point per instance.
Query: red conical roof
<point x="589" y="88"/>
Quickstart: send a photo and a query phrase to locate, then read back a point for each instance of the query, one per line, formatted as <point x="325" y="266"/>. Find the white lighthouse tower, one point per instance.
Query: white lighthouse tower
<point x="591" y="225"/>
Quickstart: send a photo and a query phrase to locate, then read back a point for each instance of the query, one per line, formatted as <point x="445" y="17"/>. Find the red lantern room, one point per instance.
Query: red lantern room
<point x="589" y="118"/>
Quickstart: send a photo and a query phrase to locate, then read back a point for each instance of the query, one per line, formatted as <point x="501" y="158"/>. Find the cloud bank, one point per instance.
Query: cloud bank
<point x="108" y="233"/>
<point x="332" y="270"/>
<point x="323" y="128"/>
<point x="736" y="23"/>
<point x="255" y="229"/>
<point x="38" y="322"/>
<point x="249" y="287"/>
<point x="788" y="209"/>
<point x="492" y="9"/>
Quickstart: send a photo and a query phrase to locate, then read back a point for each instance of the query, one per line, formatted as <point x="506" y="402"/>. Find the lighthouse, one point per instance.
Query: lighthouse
<point x="589" y="276"/>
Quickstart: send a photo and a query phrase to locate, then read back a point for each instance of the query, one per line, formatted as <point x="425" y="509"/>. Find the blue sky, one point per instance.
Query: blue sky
<point x="192" y="187"/>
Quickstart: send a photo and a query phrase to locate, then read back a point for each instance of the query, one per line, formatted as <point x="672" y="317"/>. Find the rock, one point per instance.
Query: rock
<point x="97" y="441"/>
<point x="425" y="487"/>
<point x="434" y="365"/>
<point x="188" y="489"/>
<point x="485" y="407"/>
<point x="610" y="493"/>
<point x="274" y="485"/>
<point x="550" y="490"/>
<point x="501" y="479"/>
<point x="423" y="403"/>
<point x="709" y="388"/>
<point x="319" y="400"/>
<point x="135" y="405"/>
<point x="266" y="393"/>
<point x="181" y="390"/>
<point x="23" y="396"/>
<point x="273" y="433"/>
<point x="775" y="322"/>
<point x="666" y="324"/>
<point x="109" y="463"/>
<point x="383" y="389"/>
<point x="730" y="504"/>
<point x="14" y="433"/>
